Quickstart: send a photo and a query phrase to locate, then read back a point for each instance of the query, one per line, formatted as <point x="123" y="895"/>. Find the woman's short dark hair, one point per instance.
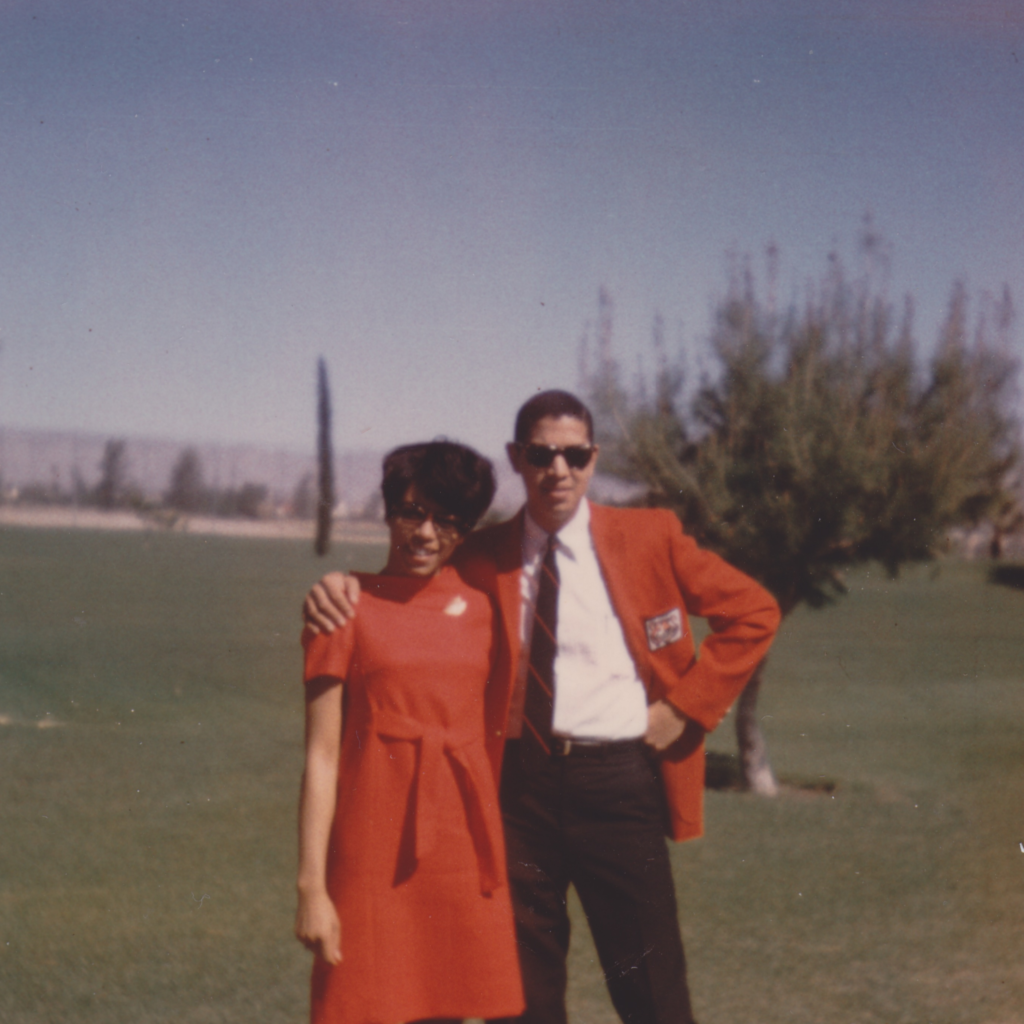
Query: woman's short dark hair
<point x="551" y="403"/>
<point x="458" y="478"/>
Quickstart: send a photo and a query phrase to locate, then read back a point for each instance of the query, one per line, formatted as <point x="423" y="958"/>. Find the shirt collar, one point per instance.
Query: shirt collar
<point x="571" y="536"/>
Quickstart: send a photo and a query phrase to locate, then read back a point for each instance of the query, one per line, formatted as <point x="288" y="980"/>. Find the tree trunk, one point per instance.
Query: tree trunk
<point x="995" y="547"/>
<point x="325" y="460"/>
<point x="757" y="772"/>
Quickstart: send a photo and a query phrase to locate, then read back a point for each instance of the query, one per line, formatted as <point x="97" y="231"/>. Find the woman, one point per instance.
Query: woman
<point x="402" y="891"/>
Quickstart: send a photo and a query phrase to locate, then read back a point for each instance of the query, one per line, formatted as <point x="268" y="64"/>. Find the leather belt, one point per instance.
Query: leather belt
<point x="566" y="746"/>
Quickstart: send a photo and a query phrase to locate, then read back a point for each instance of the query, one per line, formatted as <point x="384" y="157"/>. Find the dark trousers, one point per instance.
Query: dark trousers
<point x="594" y="819"/>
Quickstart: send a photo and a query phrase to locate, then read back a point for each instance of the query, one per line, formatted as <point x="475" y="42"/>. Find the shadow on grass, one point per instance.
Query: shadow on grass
<point x="722" y="772"/>
<point x="1007" y="576"/>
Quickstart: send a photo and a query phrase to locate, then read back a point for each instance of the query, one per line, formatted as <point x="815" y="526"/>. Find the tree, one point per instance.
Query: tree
<point x="820" y="441"/>
<point x="113" y="485"/>
<point x="248" y="501"/>
<point x="186" y="491"/>
<point x="303" y="499"/>
<point x="325" y="461"/>
<point x="251" y="500"/>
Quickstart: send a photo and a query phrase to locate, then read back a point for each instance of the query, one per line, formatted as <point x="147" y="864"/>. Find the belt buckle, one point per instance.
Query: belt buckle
<point x="561" y="746"/>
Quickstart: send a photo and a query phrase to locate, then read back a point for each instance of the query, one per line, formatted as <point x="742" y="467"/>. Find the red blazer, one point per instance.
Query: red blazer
<point x="656" y="577"/>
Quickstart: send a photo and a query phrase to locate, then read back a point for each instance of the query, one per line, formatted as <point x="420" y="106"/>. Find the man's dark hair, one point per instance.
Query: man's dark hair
<point x="459" y="479"/>
<point x="551" y="403"/>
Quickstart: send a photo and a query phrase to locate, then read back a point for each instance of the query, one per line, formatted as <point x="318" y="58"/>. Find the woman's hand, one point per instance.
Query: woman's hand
<point x="317" y="926"/>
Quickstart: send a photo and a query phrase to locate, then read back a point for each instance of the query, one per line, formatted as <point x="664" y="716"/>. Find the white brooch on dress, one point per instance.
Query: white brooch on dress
<point x="456" y="606"/>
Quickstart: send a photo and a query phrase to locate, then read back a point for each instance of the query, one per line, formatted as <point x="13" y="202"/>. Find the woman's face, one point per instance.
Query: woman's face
<point x="423" y="536"/>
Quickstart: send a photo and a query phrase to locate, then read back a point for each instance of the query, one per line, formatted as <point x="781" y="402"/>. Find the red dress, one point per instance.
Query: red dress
<point x="416" y="864"/>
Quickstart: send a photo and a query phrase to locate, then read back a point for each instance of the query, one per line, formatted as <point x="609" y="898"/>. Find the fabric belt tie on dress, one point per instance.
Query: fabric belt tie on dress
<point x="438" y="746"/>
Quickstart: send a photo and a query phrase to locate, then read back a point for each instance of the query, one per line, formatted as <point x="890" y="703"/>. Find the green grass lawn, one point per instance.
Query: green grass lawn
<point x="151" y="748"/>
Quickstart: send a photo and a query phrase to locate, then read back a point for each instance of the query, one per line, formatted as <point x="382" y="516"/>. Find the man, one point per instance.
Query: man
<point x="602" y="713"/>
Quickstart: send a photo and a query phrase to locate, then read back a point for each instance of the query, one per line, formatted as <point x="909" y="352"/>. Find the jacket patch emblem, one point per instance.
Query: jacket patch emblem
<point x="665" y="629"/>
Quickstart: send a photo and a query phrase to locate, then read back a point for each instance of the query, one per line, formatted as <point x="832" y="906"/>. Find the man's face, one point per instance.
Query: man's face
<point x="554" y="493"/>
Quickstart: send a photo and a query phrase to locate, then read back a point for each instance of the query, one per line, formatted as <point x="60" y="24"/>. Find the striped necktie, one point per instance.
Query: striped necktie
<point x="538" y="709"/>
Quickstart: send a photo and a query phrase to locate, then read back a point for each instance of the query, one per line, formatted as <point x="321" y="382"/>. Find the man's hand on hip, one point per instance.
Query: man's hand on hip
<point x="665" y="724"/>
<point x="331" y="603"/>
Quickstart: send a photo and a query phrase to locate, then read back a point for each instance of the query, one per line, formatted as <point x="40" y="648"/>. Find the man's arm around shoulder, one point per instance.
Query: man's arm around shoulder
<point x="331" y="602"/>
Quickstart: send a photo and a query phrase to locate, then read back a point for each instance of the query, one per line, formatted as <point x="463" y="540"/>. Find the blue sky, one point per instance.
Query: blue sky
<point x="199" y="198"/>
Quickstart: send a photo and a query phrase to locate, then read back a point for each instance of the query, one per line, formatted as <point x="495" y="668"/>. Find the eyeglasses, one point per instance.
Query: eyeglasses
<point x="416" y="515"/>
<point x="541" y="456"/>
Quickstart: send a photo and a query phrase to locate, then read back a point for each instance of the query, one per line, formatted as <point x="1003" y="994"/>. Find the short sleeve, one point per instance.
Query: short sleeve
<point x="328" y="654"/>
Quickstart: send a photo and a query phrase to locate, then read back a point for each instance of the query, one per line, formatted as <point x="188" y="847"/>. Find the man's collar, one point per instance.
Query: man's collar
<point x="570" y="534"/>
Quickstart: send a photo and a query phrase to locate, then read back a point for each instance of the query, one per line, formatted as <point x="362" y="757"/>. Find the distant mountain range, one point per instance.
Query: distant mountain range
<point x="55" y="460"/>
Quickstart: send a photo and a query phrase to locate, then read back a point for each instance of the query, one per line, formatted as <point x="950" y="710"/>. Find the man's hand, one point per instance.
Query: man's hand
<point x="331" y="603"/>
<point x="665" y="724"/>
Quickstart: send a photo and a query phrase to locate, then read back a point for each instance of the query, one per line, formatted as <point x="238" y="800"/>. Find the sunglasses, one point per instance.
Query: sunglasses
<point x="416" y="515"/>
<point x="541" y="456"/>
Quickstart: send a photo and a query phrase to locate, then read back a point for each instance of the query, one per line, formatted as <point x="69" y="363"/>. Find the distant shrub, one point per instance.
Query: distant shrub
<point x="1007" y="575"/>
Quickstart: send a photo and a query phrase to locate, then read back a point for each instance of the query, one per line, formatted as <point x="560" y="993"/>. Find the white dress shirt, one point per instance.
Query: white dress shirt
<point x="597" y="692"/>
